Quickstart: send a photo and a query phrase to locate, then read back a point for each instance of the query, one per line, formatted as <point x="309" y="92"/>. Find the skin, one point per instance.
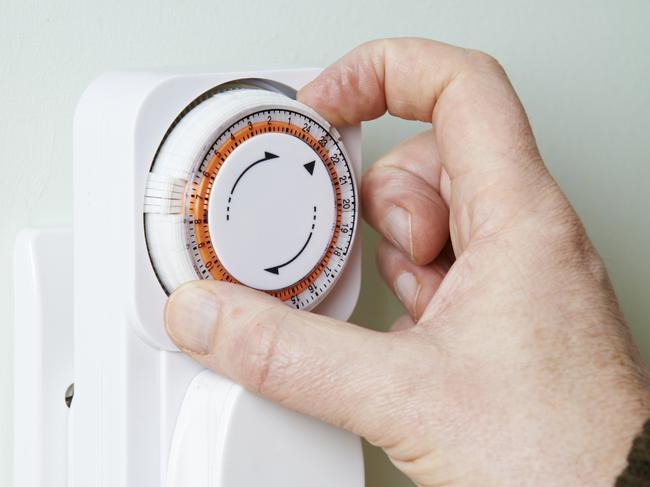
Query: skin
<point x="512" y="364"/>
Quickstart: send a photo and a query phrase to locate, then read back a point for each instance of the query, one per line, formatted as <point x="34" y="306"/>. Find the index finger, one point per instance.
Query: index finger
<point x="481" y="130"/>
<point x="464" y="93"/>
<point x="402" y="76"/>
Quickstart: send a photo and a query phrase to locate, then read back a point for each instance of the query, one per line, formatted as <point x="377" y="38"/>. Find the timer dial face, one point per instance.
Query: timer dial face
<point x="252" y="187"/>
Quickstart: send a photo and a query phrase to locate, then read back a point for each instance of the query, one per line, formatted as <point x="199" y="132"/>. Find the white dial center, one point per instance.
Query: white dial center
<point x="272" y="211"/>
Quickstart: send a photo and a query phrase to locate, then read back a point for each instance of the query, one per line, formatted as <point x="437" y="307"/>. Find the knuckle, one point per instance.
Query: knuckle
<point x="482" y="61"/>
<point x="566" y="239"/>
<point x="586" y="257"/>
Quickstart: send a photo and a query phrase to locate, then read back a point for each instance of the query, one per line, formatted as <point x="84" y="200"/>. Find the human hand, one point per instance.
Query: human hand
<point x="513" y="365"/>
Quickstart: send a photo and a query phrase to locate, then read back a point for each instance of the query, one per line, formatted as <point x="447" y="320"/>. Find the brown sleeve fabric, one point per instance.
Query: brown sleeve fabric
<point x="637" y="472"/>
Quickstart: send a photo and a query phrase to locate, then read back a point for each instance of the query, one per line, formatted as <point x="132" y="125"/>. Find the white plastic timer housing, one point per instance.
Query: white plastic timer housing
<point x="119" y="125"/>
<point x="142" y="410"/>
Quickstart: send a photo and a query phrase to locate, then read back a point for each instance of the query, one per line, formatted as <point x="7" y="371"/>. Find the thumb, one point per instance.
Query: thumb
<point x="310" y="363"/>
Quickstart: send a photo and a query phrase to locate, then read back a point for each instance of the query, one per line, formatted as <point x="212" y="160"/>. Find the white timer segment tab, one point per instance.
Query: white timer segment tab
<point x="164" y="194"/>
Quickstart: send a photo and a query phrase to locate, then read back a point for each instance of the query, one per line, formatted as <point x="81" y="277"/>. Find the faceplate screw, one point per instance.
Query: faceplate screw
<point x="69" y="394"/>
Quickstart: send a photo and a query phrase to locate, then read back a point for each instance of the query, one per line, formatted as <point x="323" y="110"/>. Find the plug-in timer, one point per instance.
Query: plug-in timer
<point x="177" y="177"/>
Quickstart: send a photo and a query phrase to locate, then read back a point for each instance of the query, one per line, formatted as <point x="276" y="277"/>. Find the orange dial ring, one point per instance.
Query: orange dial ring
<point x="199" y="196"/>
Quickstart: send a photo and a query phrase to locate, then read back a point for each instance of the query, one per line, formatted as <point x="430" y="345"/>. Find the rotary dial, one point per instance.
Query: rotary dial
<point x="252" y="187"/>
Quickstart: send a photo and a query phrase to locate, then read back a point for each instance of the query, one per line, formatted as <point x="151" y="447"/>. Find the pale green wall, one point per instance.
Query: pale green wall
<point x="582" y="69"/>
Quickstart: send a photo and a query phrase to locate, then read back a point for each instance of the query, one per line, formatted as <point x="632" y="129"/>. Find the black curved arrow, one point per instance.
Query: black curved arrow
<point x="276" y="269"/>
<point x="267" y="156"/>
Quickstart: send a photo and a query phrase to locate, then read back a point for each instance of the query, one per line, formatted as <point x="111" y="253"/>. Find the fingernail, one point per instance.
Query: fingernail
<point x="191" y="318"/>
<point x="407" y="289"/>
<point x="397" y="224"/>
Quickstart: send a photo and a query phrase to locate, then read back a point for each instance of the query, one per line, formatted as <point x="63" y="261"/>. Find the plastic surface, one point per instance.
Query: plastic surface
<point x="43" y="356"/>
<point x="228" y="437"/>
